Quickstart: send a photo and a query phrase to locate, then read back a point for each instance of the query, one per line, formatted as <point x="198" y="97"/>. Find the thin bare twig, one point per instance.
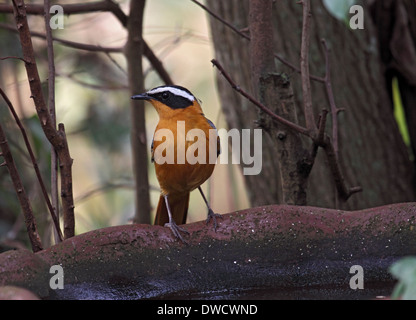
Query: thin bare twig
<point x="245" y="36"/>
<point x="229" y="25"/>
<point x="331" y="99"/>
<point x="34" y="163"/>
<point x="314" y="131"/>
<point x="343" y="191"/>
<point x="108" y="186"/>
<point x="12" y="57"/>
<point x="67" y="43"/>
<point x="56" y="138"/>
<point x="52" y="111"/>
<point x="319" y="140"/>
<point x="118" y="66"/>
<point x="304" y="68"/>
<point x="92" y="86"/>
<point x="259" y="105"/>
<point x="107" y="5"/>
<point x="21" y="193"/>
<point x="156" y="63"/>
<point x="321" y="126"/>
<point x="74" y="8"/>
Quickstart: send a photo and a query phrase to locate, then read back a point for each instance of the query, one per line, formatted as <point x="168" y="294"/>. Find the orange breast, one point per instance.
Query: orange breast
<point x="192" y="162"/>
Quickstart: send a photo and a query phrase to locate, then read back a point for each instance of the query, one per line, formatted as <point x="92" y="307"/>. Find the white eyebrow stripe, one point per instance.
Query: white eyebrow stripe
<point x="175" y="91"/>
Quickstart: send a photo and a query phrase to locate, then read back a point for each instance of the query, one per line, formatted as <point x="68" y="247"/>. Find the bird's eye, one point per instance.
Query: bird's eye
<point x="165" y="95"/>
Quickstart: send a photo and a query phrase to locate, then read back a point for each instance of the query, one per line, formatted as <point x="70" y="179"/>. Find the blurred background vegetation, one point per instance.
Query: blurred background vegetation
<point x="92" y="100"/>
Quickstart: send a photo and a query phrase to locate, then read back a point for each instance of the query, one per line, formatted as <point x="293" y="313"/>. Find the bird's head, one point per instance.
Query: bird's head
<point x="168" y="98"/>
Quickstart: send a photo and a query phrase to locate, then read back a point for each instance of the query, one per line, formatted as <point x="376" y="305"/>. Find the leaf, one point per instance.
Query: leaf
<point x="405" y="271"/>
<point x="410" y="292"/>
<point x="339" y="9"/>
<point x="398" y="290"/>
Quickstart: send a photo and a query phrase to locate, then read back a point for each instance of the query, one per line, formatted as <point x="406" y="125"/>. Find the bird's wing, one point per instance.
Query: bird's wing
<point x="218" y="137"/>
<point x="151" y="149"/>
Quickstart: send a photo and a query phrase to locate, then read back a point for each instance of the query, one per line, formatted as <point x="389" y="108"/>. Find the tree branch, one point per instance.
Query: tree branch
<point x="304" y="68"/>
<point x="314" y="131"/>
<point x="243" y="35"/>
<point x="261" y="43"/>
<point x="133" y="53"/>
<point x="320" y="139"/>
<point x="12" y="57"/>
<point x="35" y="164"/>
<point x="108" y="6"/>
<point x="68" y="43"/>
<point x="321" y="127"/>
<point x="343" y="191"/>
<point x="90" y="85"/>
<point x="56" y="138"/>
<point x="74" y="8"/>
<point x="229" y="25"/>
<point x="52" y="111"/>
<point x="156" y="63"/>
<point x="21" y="194"/>
<point x="289" y="124"/>
<point x="331" y="99"/>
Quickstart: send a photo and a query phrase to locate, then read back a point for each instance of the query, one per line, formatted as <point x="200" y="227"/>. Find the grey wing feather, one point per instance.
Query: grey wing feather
<point x="219" y="143"/>
<point x="151" y="149"/>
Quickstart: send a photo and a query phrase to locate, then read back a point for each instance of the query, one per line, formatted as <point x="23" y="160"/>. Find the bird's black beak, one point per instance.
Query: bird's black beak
<point x="143" y="96"/>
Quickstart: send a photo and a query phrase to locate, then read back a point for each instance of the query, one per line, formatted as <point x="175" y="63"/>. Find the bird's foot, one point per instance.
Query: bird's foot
<point x="213" y="216"/>
<point x="176" y="230"/>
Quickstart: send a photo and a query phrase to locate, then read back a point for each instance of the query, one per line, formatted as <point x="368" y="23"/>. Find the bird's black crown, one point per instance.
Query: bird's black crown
<point x="175" y="97"/>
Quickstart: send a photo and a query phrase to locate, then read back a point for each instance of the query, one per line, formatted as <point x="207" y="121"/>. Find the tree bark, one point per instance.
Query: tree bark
<point x="232" y="50"/>
<point x="395" y="22"/>
<point x="57" y="138"/>
<point x="371" y="150"/>
<point x="30" y="221"/>
<point x="275" y="90"/>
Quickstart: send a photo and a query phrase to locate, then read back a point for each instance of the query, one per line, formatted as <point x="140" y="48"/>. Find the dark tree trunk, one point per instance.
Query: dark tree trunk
<point x="371" y="150"/>
<point x="134" y="52"/>
<point x="395" y="21"/>
<point x="275" y="91"/>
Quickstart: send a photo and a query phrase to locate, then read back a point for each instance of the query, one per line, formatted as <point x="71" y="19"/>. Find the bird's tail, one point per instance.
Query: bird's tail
<point x="178" y="207"/>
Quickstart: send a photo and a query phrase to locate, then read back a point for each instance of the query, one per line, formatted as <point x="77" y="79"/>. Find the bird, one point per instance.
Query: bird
<point x="180" y="113"/>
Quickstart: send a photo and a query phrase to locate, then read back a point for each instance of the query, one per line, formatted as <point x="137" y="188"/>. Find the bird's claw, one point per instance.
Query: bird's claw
<point x="213" y="216"/>
<point x="176" y="230"/>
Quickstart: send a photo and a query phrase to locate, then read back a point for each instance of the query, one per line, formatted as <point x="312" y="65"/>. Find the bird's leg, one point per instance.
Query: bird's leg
<point x="211" y="214"/>
<point x="172" y="224"/>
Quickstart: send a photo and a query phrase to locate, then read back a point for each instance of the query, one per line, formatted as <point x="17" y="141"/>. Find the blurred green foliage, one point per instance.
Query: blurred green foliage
<point x="339" y="9"/>
<point x="399" y="112"/>
<point x="405" y="271"/>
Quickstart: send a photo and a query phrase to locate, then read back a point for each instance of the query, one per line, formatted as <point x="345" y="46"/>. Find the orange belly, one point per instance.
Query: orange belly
<point x="182" y="176"/>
